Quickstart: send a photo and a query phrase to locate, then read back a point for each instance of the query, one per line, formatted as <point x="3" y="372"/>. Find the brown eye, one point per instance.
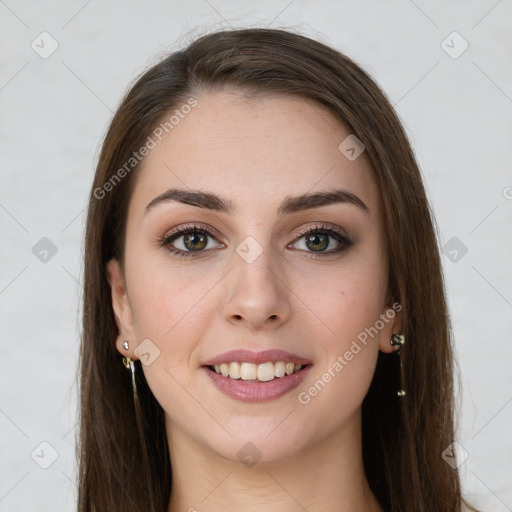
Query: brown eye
<point x="318" y="241"/>
<point x="190" y="240"/>
<point x="195" y="241"/>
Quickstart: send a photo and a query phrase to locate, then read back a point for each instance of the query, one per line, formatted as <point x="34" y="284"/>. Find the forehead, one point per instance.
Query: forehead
<point x="255" y="151"/>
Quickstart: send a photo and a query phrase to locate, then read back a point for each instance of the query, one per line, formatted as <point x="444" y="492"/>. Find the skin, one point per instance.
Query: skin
<point x="256" y="152"/>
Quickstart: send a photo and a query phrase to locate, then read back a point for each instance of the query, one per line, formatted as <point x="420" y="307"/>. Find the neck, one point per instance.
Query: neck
<point x="324" y="477"/>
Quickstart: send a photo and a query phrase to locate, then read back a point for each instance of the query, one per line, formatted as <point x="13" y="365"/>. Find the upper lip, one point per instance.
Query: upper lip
<point x="265" y="356"/>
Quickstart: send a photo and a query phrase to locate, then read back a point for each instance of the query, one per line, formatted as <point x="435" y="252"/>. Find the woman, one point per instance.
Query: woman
<point x="265" y="326"/>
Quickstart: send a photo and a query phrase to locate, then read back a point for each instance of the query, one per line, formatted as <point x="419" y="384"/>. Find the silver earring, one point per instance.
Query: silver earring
<point x="398" y="340"/>
<point x="125" y="345"/>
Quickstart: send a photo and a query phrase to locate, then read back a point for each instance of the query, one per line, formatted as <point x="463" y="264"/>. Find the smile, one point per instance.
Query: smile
<point x="254" y="389"/>
<point x="263" y="372"/>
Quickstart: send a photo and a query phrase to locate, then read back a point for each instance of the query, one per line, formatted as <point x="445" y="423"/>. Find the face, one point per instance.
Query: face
<point x="257" y="271"/>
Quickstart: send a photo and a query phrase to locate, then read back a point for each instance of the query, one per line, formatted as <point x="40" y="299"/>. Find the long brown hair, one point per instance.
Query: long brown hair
<point x="123" y="454"/>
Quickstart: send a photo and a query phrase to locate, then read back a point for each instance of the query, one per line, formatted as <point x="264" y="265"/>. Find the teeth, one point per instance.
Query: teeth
<point x="263" y="372"/>
<point x="234" y="370"/>
<point x="248" y="371"/>
<point x="266" y="372"/>
<point x="224" y="369"/>
<point x="279" y="369"/>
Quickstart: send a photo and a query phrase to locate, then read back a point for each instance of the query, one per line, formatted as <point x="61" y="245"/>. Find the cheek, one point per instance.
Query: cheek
<point x="349" y="303"/>
<point x="350" y="299"/>
<point x="349" y="310"/>
<point x="169" y="308"/>
<point x="172" y="306"/>
<point x="165" y="300"/>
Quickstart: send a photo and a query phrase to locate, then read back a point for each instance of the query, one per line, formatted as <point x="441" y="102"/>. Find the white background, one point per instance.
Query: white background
<point x="54" y="113"/>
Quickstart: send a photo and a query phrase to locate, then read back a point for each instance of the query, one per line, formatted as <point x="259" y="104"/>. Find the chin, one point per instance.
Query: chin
<point x="260" y="440"/>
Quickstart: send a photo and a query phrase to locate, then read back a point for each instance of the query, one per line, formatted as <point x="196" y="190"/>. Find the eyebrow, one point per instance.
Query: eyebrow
<point x="291" y="204"/>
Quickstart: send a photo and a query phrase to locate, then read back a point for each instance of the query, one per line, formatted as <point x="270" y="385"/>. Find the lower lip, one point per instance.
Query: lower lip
<point x="250" y="391"/>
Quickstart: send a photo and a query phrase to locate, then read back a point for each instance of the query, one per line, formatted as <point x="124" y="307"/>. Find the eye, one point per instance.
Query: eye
<point x="318" y="239"/>
<point x="194" y="239"/>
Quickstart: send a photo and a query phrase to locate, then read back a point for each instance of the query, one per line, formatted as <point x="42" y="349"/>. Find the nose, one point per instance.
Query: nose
<point x="257" y="293"/>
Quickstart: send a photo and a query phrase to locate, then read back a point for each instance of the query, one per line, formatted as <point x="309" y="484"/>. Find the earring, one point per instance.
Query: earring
<point x="398" y="341"/>
<point x="125" y="345"/>
<point x="129" y="364"/>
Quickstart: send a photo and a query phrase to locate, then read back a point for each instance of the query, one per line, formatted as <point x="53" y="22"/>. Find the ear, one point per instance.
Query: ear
<point x="122" y="309"/>
<point x="393" y="322"/>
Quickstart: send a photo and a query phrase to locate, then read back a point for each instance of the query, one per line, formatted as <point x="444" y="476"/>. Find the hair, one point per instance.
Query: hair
<point x="124" y="462"/>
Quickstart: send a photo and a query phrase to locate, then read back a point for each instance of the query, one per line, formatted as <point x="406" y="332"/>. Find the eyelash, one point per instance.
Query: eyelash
<point x="335" y="233"/>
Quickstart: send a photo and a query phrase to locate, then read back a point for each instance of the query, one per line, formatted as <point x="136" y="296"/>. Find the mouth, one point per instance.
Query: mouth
<point x="263" y="372"/>
<point x="256" y="377"/>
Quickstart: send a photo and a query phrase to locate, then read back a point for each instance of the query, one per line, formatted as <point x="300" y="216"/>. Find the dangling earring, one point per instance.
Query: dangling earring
<point x="129" y="364"/>
<point x="398" y="340"/>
